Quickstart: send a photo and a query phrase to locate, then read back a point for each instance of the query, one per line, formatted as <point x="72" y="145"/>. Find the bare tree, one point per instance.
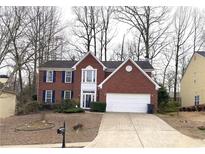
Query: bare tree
<point x="198" y="26"/>
<point x="149" y="21"/>
<point x="44" y="32"/>
<point x="106" y="15"/>
<point x="134" y="48"/>
<point x="83" y="26"/>
<point x="5" y="38"/>
<point x="182" y="32"/>
<point x="122" y="48"/>
<point x="16" y="21"/>
<point x="168" y="57"/>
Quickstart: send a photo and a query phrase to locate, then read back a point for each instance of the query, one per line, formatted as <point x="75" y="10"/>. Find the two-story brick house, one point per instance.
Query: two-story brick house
<point x="124" y="86"/>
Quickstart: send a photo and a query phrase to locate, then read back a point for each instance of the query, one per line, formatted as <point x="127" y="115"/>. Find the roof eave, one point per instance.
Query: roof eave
<point x="74" y="67"/>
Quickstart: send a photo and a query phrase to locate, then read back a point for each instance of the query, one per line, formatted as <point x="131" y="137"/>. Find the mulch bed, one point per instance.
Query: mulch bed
<point x="10" y="136"/>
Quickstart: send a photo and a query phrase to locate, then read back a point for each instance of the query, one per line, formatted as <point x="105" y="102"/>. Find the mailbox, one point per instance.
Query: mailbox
<point x="61" y="131"/>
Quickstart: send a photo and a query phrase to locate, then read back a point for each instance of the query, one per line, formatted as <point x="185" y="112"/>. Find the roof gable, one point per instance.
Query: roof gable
<point x="202" y="53"/>
<point x="136" y="65"/>
<point x="89" y="53"/>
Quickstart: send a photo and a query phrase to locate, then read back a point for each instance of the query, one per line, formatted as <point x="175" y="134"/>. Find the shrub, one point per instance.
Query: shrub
<point x="27" y="107"/>
<point x="68" y="106"/>
<point x="163" y="96"/>
<point x="34" y="97"/>
<point x="98" y="106"/>
<point x="73" y="110"/>
<point x="169" y="107"/>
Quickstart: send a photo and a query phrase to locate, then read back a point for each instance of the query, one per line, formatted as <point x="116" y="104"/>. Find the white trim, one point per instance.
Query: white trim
<point x="65" y="92"/>
<point x="148" y="70"/>
<point x="70" y="77"/>
<point x="47" y="76"/>
<point x="143" y="72"/>
<point x="51" y="96"/>
<point x="74" y="67"/>
<point x="84" y="94"/>
<point x="54" y="69"/>
<point x="82" y="70"/>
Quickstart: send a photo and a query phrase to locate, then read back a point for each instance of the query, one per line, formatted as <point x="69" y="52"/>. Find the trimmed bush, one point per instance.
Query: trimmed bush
<point x="98" y="106"/>
<point x="68" y="106"/>
<point x="169" y="107"/>
<point x="73" y="110"/>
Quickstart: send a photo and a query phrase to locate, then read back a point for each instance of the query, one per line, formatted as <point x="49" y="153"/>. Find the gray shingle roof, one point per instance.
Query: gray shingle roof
<point x="115" y="64"/>
<point x="59" y="64"/>
<point x="201" y="53"/>
<point x="108" y="64"/>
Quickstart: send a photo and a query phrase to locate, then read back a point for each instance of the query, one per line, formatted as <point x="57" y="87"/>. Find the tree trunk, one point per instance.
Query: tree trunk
<point x="105" y="45"/>
<point x="176" y="73"/>
<point x="122" y="48"/>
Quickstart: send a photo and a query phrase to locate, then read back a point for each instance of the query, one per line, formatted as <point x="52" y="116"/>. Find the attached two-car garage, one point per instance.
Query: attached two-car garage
<point x="120" y="102"/>
<point x="129" y="89"/>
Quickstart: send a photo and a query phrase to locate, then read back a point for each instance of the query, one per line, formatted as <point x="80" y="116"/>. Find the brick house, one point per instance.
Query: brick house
<point x="124" y="86"/>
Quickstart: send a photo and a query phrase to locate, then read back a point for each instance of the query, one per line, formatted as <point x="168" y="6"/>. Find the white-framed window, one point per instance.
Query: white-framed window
<point x="68" y="77"/>
<point x="196" y="101"/>
<point x="67" y="94"/>
<point x="89" y="76"/>
<point x="49" y="76"/>
<point x="48" y="96"/>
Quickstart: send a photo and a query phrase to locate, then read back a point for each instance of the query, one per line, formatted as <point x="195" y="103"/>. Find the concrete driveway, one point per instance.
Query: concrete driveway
<point x="139" y="131"/>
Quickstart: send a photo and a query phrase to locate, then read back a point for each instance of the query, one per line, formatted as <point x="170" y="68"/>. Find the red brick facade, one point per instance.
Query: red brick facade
<point x="89" y="60"/>
<point x="58" y="86"/>
<point x="128" y="82"/>
<point x="121" y="82"/>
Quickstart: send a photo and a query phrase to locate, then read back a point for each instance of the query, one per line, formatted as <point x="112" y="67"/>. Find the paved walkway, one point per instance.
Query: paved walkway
<point x="139" y="130"/>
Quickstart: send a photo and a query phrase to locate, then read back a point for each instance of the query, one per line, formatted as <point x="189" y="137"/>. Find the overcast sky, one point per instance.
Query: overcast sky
<point x="68" y="16"/>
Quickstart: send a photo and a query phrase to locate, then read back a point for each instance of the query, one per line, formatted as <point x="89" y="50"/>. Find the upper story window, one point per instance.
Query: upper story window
<point x="49" y="76"/>
<point x="89" y="75"/>
<point x="68" y="77"/>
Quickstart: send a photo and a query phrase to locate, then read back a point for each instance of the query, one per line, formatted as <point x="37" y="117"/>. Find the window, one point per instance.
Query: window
<point x="68" y="77"/>
<point x="49" y="76"/>
<point x="89" y="76"/>
<point x="48" y="97"/>
<point x="67" y="94"/>
<point x="196" y="100"/>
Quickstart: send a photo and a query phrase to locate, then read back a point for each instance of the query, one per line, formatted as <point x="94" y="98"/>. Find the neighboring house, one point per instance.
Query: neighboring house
<point x="124" y="86"/>
<point x="7" y="100"/>
<point x="193" y="81"/>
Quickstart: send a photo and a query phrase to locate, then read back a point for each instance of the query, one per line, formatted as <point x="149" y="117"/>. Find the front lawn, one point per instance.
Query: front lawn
<point x="188" y="123"/>
<point x="9" y="135"/>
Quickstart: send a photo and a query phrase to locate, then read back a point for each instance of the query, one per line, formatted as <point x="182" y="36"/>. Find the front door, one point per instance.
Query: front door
<point x="87" y="99"/>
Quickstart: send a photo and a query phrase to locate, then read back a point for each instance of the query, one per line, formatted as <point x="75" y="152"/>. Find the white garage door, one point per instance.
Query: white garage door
<point x="117" y="102"/>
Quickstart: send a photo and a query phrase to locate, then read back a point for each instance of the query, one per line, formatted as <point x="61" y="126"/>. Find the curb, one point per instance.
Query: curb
<point x="57" y="145"/>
